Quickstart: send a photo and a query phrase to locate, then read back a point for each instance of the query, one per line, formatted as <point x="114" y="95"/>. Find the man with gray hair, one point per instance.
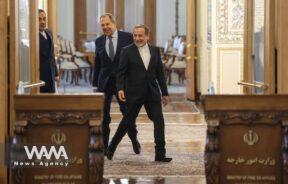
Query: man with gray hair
<point x="107" y="54"/>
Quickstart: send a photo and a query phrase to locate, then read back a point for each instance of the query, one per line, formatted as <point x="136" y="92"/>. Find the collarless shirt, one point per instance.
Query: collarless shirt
<point x="43" y="34"/>
<point x="145" y="55"/>
<point x="114" y="40"/>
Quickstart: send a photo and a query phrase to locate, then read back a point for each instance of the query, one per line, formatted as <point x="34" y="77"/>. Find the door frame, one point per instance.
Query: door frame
<point x="190" y="49"/>
<point x="281" y="42"/>
<point x="269" y="47"/>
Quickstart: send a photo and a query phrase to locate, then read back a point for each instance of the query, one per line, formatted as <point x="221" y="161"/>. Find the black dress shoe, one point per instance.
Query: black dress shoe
<point x="136" y="147"/>
<point x="109" y="153"/>
<point x="163" y="159"/>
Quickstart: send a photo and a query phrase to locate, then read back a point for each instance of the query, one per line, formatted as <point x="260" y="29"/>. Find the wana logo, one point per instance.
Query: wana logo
<point x="43" y="152"/>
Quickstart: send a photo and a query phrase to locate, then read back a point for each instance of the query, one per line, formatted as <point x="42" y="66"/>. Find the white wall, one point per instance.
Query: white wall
<point x="101" y="11"/>
<point x="182" y="17"/>
<point x="43" y="4"/>
<point x="203" y="77"/>
<point x="65" y="19"/>
<point x="165" y="12"/>
<point x="134" y="13"/>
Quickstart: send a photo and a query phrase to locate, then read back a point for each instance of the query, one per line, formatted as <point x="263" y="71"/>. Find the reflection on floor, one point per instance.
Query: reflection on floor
<point x="157" y="180"/>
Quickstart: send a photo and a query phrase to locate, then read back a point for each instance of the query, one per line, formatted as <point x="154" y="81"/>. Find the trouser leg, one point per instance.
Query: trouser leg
<point x="106" y="119"/>
<point x="154" y="111"/>
<point x="130" y="116"/>
<point x="132" y="130"/>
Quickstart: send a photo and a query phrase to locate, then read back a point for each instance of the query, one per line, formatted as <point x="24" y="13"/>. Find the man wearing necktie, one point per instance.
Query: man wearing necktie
<point x="107" y="54"/>
<point x="139" y="78"/>
<point x="48" y="69"/>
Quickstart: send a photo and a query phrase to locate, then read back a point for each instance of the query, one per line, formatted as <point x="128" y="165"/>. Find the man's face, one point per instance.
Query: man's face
<point x="140" y="38"/>
<point x="42" y="21"/>
<point x="108" y="27"/>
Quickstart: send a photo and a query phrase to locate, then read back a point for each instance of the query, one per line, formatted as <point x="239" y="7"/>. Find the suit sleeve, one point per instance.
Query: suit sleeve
<point x="122" y="70"/>
<point x="56" y="71"/>
<point x="97" y="66"/>
<point x="160" y="75"/>
<point x="130" y="39"/>
<point x="54" y="64"/>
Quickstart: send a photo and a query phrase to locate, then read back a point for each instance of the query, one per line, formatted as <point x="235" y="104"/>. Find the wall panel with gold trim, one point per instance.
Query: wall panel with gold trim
<point x="230" y="70"/>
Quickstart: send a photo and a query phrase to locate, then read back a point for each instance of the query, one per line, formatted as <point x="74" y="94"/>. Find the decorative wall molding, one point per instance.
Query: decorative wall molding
<point x="230" y="21"/>
<point x="249" y="117"/>
<point x="209" y="21"/>
<point x="221" y="52"/>
<point x="57" y="117"/>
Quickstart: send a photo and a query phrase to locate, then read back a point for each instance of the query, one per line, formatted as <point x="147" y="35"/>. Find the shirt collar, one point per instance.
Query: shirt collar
<point x="114" y="35"/>
<point x="144" y="47"/>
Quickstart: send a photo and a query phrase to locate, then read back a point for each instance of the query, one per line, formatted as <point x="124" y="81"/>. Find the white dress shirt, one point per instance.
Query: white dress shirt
<point x="145" y="55"/>
<point x="43" y="34"/>
<point x="114" y="40"/>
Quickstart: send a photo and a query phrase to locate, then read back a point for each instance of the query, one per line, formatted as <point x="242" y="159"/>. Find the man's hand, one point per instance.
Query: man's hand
<point x="165" y="100"/>
<point x="57" y="79"/>
<point x="121" y="95"/>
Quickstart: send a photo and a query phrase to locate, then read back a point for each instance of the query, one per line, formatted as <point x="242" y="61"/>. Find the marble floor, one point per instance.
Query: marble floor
<point x="185" y="140"/>
<point x="157" y="180"/>
<point x="185" y="131"/>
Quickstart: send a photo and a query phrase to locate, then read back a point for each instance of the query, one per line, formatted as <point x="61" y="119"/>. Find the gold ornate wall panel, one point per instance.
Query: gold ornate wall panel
<point x="230" y="21"/>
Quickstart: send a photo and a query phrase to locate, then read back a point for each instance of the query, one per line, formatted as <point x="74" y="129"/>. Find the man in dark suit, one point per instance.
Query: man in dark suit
<point x="139" y="77"/>
<point x="108" y="48"/>
<point x="48" y="69"/>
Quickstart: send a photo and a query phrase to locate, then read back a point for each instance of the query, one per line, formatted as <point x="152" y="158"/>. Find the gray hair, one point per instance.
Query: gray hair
<point x="146" y="28"/>
<point x="111" y="17"/>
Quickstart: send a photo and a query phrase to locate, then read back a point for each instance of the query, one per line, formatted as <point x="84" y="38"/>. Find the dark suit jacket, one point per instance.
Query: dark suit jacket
<point x="104" y="68"/>
<point x="138" y="83"/>
<point x="48" y="69"/>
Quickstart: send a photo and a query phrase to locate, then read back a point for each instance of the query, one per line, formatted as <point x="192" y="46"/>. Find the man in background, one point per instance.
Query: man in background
<point x="48" y="69"/>
<point x="107" y="54"/>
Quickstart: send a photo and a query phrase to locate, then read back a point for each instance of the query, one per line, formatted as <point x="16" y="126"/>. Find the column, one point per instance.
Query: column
<point x="282" y="46"/>
<point x="119" y="12"/>
<point x="109" y="6"/>
<point x="177" y="17"/>
<point x="3" y="82"/>
<point x="150" y="18"/>
<point x="80" y="22"/>
<point x="52" y="18"/>
<point x="34" y="43"/>
<point x="190" y="50"/>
